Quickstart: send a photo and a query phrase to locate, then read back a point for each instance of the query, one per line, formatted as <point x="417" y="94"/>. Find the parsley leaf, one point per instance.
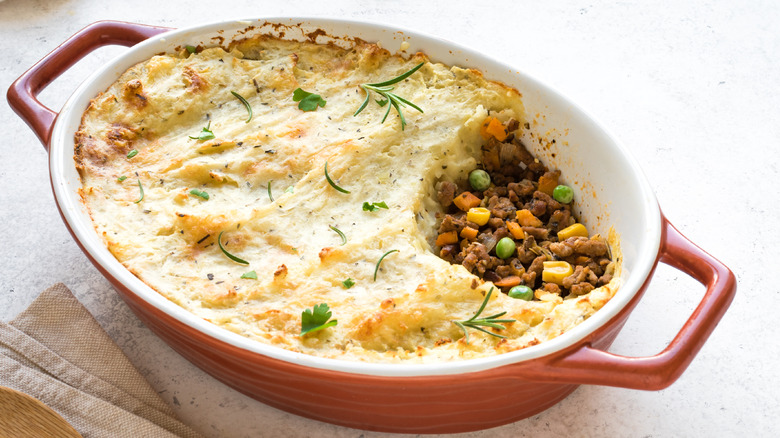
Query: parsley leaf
<point x="374" y="206"/>
<point x="205" y="134"/>
<point x="348" y="283"/>
<point x="121" y="178"/>
<point x="316" y="318"/>
<point x="191" y="49"/>
<point x="308" y="101"/>
<point x="132" y="153"/>
<point x="200" y="194"/>
<point x="252" y="275"/>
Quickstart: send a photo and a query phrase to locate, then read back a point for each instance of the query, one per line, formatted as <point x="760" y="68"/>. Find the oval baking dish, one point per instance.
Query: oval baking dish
<point x="415" y="398"/>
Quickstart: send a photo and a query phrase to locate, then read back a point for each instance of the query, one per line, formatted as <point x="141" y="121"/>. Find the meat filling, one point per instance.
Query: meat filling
<point x="520" y="202"/>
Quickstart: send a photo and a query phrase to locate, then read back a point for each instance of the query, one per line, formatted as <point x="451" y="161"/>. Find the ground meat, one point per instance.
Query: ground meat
<point x="523" y="189"/>
<point x="448" y="252"/>
<point x="581" y="288"/>
<point x="561" y="249"/>
<point x="560" y="220"/>
<point x="520" y="182"/>
<point x="548" y="200"/>
<point x="593" y="247"/>
<point x="447" y="193"/>
<point x="501" y="207"/>
<point x="538" y="232"/>
<point x="452" y="223"/>
<point x="473" y="254"/>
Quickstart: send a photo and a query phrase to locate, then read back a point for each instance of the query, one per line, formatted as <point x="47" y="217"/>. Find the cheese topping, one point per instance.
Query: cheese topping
<point x="261" y="185"/>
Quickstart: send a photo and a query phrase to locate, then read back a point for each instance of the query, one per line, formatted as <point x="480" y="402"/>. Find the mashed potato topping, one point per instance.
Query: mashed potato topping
<point x="169" y="162"/>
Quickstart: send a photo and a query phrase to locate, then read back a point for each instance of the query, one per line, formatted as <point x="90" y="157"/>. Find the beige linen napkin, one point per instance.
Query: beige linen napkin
<point x="56" y="352"/>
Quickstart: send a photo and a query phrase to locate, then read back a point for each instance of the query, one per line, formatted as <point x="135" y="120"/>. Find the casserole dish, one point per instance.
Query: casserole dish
<point x="426" y="398"/>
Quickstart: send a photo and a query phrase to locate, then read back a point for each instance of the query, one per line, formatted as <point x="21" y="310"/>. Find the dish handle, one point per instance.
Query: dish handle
<point x="590" y="365"/>
<point x="22" y="95"/>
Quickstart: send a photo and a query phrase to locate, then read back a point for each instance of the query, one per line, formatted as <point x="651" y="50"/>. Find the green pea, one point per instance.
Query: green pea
<point x="505" y="248"/>
<point x="479" y="179"/>
<point x="563" y="194"/>
<point x="521" y="293"/>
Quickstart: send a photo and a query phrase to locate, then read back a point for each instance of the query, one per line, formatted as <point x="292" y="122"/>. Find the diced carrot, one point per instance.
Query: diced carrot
<point x="512" y="280"/>
<point x="469" y="233"/>
<point x="516" y="230"/>
<point x="447" y="238"/>
<point x="483" y="129"/>
<point x="497" y="130"/>
<point x="466" y="200"/>
<point x="547" y="184"/>
<point x="527" y="219"/>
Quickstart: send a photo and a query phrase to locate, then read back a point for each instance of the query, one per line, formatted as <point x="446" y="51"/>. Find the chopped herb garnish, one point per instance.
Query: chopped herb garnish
<point x="270" y="196"/>
<point x="205" y="134"/>
<point x="290" y="189"/>
<point x="308" y="101"/>
<point x="380" y="261"/>
<point x="330" y="181"/>
<point x="191" y="49"/>
<point x="348" y="283"/>
<point x="229" y="255"/>
<point x="132" y="153"/>
<point x="316" y="319"/>
<point x="343" y="237"/>
<point x="141" y="188"/>
<point x="374" y="206"/>
<point x="392" y="100"/>
<point x="490" y="321"/>
<point x="251" y="275"/>
<point x="246" y="105"/>
<point x="121" y="178"/>
<point x="199" y="193"/>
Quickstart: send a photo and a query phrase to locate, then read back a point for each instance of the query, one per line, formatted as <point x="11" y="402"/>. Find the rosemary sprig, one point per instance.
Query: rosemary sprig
<point x="489" y="321"/>
<point x="140" y="189"/>
<point x="227" y="254"/>
<point x="330" y="181"/>
<point x="270" y="196"/>
<point x="246" y="104"/>
<point x="376" y="269"/>
<point x="392" y="100"/>
<point x="340" y="233"/>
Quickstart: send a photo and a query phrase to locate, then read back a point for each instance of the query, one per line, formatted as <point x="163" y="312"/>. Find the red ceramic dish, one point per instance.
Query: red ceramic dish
<point x="428" y="398"/>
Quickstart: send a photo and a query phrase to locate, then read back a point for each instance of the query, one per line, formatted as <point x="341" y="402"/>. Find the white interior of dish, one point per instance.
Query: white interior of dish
<point x="616" y="191"/>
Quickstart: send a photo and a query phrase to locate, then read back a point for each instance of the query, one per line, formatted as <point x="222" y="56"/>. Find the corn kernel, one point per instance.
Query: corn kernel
<point x="572" y="231"/>
<point x="556" y="271"/>
<point x="478" y="215"/>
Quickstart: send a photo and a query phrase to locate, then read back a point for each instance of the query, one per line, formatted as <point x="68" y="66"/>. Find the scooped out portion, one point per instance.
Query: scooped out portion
<point x="511" y="223"/>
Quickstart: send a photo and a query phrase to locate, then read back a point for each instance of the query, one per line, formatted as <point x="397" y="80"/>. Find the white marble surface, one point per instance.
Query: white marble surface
<point x="692" y="89"/>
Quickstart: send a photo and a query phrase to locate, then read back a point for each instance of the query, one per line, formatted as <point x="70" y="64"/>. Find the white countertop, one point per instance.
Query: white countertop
<point x="692" y="89"/>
